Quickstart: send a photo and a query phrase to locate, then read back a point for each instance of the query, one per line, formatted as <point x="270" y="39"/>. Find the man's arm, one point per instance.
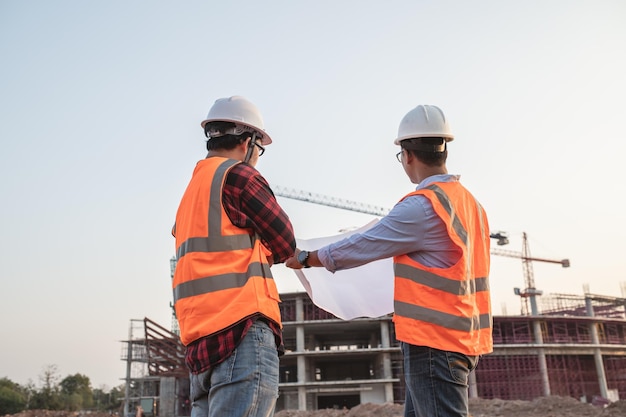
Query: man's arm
<point x="250" y="203"/>
<point x="411" y="227"/>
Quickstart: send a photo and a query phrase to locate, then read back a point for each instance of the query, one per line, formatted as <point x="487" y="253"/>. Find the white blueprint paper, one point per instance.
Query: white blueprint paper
<point x="365" y="291"/>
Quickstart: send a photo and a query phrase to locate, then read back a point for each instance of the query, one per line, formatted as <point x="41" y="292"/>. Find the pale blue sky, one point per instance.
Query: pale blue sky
<point x="100" y="110"/>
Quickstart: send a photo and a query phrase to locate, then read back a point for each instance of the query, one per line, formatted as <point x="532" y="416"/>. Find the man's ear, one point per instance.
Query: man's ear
<point x="409" y="156"/>
<point x="244" y="145"/>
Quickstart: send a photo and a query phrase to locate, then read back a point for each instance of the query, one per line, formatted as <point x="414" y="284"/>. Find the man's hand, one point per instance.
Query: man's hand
<point x="292" y="262"/>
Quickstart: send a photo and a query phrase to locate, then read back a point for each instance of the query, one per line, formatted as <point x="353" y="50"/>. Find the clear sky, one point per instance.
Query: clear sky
<point x="100" y="111"/>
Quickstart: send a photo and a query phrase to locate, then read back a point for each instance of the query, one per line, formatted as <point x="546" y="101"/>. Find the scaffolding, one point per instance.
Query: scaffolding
<point x="584" y="305"/>
<point x="156" y="376"/>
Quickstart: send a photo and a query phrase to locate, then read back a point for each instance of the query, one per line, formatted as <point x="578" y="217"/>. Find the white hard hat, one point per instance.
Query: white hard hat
<point x="240" y="111"/>
<point x="424" y="121"/>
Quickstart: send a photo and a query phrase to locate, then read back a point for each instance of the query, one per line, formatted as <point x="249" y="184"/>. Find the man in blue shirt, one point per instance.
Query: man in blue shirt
<point x="438" y="236"/>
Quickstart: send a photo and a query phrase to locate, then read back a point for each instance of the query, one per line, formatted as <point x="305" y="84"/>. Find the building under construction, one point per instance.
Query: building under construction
<point x="575" y="346"/>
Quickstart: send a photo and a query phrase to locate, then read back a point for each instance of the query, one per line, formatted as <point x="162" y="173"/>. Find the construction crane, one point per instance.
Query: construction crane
<point x="530" y="293"/>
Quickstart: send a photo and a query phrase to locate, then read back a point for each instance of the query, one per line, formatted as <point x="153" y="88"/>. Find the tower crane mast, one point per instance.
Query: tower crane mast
<point x="530" y="292"/>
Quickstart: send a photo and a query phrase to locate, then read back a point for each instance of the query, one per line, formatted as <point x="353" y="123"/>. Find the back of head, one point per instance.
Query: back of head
<point x="224" y="135"/>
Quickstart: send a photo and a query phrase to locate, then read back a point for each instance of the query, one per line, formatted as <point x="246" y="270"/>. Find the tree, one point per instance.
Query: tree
<point x="48" y="398"/>
<point x="76" y="392"/>
<point x="108" y="401"/>
<point x="12" y="397"/>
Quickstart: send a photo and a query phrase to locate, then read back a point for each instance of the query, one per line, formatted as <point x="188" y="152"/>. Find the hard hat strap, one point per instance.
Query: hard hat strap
<point x="251" y="146"/>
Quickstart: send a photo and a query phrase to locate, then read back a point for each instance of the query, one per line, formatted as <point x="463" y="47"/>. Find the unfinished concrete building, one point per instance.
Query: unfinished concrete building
<point x="332" y="363"/>
<point x="575" y="347"/>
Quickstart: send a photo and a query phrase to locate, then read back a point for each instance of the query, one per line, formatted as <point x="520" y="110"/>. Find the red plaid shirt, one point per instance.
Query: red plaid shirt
<point x="249" y="203"/>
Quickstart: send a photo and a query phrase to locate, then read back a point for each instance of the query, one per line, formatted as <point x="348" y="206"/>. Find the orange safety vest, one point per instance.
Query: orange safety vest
<point x="448" y="308"/>
<point x="222" y="274"/>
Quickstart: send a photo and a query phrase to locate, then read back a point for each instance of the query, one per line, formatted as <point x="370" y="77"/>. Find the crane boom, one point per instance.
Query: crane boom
<point x="515" y="254"/>
<point x="329" y="201"/>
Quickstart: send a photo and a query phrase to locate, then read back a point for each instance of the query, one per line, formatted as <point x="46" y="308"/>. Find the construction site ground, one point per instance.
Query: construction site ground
<point x="541" y="407"/>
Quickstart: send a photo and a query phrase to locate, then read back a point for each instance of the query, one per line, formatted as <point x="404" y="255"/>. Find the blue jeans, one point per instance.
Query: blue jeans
<point x="436" y="382"/>
<point x="245" y="384"/>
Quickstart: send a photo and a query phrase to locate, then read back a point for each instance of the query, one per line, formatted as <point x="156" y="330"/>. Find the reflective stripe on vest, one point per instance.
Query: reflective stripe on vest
<point x="205" y="285"/>
<point x="445" y="203"/>
<point x="214" y="244"/>
<point x="440" y="283"/>
<point x="449" y="321"/>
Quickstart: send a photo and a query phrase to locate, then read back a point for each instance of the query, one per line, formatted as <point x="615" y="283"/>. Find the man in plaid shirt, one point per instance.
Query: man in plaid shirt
<point x="229" y="316"/>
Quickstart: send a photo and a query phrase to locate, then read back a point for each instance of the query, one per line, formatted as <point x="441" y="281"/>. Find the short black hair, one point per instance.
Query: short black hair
<point x="426" y="150"/>
<point x="226" y="142"/>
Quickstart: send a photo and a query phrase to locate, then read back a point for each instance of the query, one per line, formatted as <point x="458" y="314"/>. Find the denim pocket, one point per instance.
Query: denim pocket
<point x="265" y="335"/>
<point x="460" y="366"/>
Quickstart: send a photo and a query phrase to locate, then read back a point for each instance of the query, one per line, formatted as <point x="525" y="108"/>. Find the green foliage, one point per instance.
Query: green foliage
<point x="12" y="399"/>
<point x="72" y="402"/>
<point x="108" y="401"/>
<point x="48" y="397"/>
<point x="76" y="393"/>
<point x="73" y="393"/>
<point x="45" y="399"/>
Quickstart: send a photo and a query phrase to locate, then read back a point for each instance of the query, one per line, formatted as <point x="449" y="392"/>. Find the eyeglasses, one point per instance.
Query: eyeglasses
<point x="261" y="149"/>
<point x="399" y="156"/>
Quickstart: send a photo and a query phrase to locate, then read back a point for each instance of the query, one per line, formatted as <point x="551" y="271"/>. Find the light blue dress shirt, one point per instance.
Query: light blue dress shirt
<point x="412" y="227"/>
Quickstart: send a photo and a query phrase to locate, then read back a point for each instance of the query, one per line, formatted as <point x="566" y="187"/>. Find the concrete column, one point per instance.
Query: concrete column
<point x="543" y="366"/>
<point x="168" y="400"/>
<point x="300" y="347"/>
<point x="129" y="361"/>
<point x="301" y="379"/>
<point x="384" y="334"/>
<point x="597" y="353"/>
<point x="387" y="373"/>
